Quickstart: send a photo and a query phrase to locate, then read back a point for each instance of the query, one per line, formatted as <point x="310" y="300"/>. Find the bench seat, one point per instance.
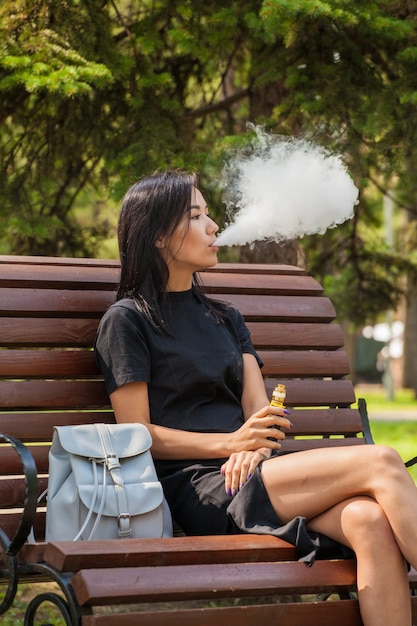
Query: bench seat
<point x="49" y="312"/>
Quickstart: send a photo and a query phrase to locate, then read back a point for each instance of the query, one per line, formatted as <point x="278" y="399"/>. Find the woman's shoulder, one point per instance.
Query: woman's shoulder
<point x="122" y="308"/>
<point x="124" y="312"/>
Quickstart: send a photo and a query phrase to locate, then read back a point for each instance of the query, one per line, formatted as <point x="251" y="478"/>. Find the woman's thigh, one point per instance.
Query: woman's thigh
<point x="310" y="482"/>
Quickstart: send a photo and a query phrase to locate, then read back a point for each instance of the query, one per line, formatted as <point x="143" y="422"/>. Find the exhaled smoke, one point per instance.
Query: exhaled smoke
<point x="284" y="188"/>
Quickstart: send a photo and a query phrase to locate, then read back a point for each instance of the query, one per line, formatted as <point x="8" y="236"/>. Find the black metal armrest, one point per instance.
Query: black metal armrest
<point x="31" y="496"/>
<point x="363" y="411"/>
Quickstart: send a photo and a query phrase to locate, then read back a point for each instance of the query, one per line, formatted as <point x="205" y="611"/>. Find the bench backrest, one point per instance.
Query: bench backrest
<point x="49" y="312"/>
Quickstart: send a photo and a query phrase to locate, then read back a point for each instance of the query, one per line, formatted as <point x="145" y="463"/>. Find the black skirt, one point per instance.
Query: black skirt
<point x="200" y="506"/>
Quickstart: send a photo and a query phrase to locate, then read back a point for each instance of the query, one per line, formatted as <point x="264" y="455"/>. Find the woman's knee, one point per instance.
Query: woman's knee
<point x="363" y="520"/>
<point x="385" y="466"/>
<point x="386" y="456"/>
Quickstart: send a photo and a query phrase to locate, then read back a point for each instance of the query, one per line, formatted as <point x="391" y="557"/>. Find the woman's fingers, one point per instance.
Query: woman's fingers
<point x="238" y="469"/>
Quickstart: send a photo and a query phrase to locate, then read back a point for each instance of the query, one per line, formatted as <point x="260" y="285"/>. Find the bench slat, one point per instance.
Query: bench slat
<point x="37" y="332"/>
<point x="13" y="491"/>
<point x="307" y="336"/>
<point x="48" y="364"/>
<point x="226" y="279"/>
<point x="301" y="393"/>
<point x="151" y="584"/>
<point x="72" y="332"/>
<point x="261" y="284"/>
<point x="305" y="363"/>
<point x="53" y="302"/>
<point x="106" y="279"/>
<point x="71" y="556"/>
<point x="42" y="395"/>
<point x="42" y="276"/>
<point x="12" y="466"/>
<point x="56" y="303"/>
<point x="38" y="426"/>
<point x="318" y="613"/>
<point x="53" y="261"/>
<point x="53" y="394"/>
<point x="68" y="363"/>
<point x="10" y="521"/>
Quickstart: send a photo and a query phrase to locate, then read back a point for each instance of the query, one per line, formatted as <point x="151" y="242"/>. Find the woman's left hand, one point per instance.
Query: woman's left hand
<point x="240" y="466"/>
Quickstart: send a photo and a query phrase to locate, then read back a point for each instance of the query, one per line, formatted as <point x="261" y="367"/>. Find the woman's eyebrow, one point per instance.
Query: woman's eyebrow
<point x="198" y="206"/>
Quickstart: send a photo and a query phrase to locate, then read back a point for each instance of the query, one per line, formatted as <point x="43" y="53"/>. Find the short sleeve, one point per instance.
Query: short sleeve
<point x="244" y="335"/>
<point x="121" y="351"/>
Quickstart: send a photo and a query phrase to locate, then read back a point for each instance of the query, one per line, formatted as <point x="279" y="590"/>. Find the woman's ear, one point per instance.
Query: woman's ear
<point x="159" y="243"/>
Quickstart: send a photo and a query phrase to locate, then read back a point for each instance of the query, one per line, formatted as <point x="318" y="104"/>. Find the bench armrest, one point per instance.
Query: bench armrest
<point x="366" y="427"/>
<point x="31" y="496"/>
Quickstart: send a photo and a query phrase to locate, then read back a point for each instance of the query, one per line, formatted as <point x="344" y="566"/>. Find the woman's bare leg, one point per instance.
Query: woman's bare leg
<point x="312" y="482"/>
<point x="382" y="584"/>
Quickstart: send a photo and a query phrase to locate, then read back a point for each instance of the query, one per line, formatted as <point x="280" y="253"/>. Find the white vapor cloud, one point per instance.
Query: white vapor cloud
<point x="283" y="189"/>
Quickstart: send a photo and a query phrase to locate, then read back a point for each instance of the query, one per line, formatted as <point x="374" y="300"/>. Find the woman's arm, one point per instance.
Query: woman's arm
<point x="255" y="404"/>
<point x="131" y="404"/>
<point x="254" y="396"/>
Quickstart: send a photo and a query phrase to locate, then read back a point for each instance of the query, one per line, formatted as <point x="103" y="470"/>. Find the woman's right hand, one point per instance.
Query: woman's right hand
<point x="261" y="430"/>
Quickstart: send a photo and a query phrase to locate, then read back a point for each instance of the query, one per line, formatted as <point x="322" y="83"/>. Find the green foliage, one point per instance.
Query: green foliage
<point x="94" y="94"/>
<point x="37" y="57"/>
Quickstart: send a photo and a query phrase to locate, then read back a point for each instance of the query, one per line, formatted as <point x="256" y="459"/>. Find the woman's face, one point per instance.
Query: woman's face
<point x="192" y="245"/>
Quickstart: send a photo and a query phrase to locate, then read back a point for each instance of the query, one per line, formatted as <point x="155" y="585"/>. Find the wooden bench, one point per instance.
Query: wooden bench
<point x="49" y="311"/>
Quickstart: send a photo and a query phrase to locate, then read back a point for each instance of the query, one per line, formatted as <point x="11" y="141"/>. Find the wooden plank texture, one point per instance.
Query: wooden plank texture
<point x="71" y="556"/>
<point x="38" y="426"/>
<point x="343" y="613"/>
<point x="49" y="312"/>
<point x="37" y="332"/>
<point x="53" y="394"/>
<point x="154" y="584"/>
<point x="68" y="363"/>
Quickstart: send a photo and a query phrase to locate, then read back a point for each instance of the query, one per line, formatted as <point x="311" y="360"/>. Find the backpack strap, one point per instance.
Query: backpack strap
<point x="112" y="462"/>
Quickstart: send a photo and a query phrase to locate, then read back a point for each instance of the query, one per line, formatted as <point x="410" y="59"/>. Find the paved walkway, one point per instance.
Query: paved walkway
<point x="393" y="415"/>
<point x="388" y="415"/>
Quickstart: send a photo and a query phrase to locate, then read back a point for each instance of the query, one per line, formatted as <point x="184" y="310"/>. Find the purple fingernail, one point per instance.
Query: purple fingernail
<point x="249" y="477"/>
<point x="286" y="412"/>
<point x="229" y="492"/>
<point x="234" y="492"/>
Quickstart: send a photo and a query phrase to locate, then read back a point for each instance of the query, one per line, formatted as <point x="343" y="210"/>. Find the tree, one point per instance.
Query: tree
<point x="94" y="94"/>
<point x="50" y="97"/>
<point x="351" y="73"/>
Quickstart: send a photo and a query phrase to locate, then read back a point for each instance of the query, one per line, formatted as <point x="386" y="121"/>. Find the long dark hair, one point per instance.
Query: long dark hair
<point x="152" y="209"/>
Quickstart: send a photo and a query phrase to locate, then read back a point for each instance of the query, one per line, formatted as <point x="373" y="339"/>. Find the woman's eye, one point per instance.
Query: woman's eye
<point x="198" y="215"/>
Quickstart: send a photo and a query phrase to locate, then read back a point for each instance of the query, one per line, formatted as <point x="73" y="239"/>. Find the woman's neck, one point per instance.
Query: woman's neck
<point x="180" y="283"/>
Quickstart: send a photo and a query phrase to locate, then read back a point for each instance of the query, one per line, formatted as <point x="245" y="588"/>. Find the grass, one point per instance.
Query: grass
<point x="376" y="399"/>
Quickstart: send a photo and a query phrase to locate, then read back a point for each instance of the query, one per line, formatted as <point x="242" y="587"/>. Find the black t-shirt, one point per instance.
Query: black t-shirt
<point x="194" y="368"/>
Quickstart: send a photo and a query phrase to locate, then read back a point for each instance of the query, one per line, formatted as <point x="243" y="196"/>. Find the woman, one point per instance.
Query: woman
<point x="186" y="368"/>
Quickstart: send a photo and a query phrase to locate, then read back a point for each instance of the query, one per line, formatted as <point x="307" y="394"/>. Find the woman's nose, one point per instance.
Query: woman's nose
<point x="213" y="226"/>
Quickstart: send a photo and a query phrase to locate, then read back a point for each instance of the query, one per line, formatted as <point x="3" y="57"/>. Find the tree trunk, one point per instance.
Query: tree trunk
<point x="410" y="322"/>
<point x="410" y="338"/>
<point x="262" y="101"/>
<point x="287" y="253"/>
